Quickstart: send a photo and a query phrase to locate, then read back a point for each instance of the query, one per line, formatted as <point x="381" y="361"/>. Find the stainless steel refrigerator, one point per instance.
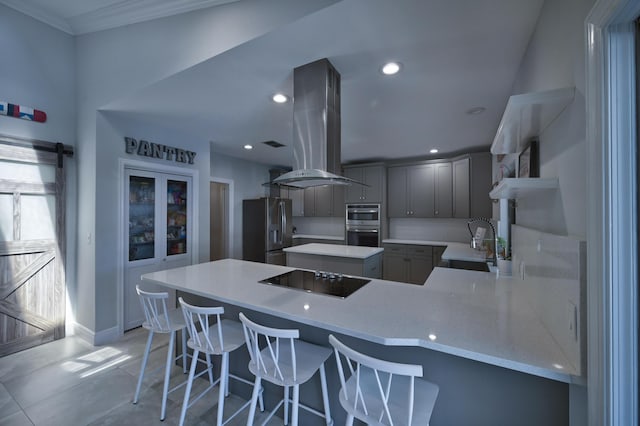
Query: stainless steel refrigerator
<point x="266" y="229"/>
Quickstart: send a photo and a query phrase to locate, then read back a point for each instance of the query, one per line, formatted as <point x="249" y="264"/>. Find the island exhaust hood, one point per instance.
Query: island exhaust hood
<point x="316" y="128"/>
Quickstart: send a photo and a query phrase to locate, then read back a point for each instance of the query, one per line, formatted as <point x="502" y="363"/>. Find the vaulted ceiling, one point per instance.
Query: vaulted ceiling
<point x="456" y="55"/>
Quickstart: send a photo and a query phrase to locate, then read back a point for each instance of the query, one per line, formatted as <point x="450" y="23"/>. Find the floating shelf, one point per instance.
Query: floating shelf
<point x="514" y="188"/>
<point x="527" y="116"/>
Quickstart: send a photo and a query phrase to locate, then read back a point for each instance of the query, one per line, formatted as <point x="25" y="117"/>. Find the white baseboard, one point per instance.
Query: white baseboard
<point x="100" y="338"/>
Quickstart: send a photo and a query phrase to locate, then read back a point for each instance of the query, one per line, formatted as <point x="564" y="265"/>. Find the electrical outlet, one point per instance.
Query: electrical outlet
<point x="572" y="320"/>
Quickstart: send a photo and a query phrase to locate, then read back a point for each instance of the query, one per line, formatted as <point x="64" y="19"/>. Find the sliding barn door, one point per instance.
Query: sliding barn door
<point x="32" y="245"/>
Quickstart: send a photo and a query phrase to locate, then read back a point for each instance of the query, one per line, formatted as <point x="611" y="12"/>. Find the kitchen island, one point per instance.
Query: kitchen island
<point x="350" y="260"/>
<point x="476" y="335"/>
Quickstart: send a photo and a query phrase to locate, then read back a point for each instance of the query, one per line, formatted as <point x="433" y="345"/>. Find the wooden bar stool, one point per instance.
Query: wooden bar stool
<point x="159" y="319"/>
<point x="380" y="392"/>
<point x="285" y="361"/>
<point x="212" y="335"/>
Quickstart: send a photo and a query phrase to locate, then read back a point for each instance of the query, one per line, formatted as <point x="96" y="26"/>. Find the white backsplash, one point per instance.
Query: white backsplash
<point x="454" y="230"/>
<point x="552" y="270"/>
<point x="327" y="226"/>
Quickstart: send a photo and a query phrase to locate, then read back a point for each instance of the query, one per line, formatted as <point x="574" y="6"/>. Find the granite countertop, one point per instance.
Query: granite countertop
<point x="336" y="250"/>
<point x="454" y="250"/>
<point x="470" y="314"/>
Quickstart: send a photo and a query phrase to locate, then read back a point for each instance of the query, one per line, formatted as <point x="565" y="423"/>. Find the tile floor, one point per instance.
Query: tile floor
<point x="69" y="382"/>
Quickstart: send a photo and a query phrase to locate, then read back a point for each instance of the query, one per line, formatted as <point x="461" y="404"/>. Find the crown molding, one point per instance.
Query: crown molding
<point x="41" y="15"/>
<point x="122" y="13"/>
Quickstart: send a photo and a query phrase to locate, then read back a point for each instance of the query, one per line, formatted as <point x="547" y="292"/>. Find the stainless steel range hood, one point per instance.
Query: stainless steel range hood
<point x="316" y="128"/>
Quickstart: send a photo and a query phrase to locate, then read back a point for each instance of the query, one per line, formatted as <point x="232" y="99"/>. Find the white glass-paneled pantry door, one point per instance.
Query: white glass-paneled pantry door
<point x="158" y="212"/>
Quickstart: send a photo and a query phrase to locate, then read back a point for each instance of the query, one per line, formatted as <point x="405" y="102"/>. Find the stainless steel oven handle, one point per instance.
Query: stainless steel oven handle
<point x="362" y="230"/>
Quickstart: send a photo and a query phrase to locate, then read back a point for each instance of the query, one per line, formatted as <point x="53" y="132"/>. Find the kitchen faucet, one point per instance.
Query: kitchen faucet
<point x="495" y="237"/>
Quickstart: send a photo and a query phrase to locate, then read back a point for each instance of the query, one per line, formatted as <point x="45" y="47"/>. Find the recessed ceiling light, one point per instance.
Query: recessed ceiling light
<point x="280" y="98"/>
<point x="433" y="151"/>
<point x="247" y="147"/>
<point x="390" y="68"/>
<point x="476" y="110"/>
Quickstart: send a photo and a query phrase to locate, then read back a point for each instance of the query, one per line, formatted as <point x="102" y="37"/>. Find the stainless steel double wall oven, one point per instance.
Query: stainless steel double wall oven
<point x="363" y="225"/>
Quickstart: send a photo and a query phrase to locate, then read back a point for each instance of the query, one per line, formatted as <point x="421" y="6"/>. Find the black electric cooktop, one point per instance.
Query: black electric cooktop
<point x="328" y="283"/>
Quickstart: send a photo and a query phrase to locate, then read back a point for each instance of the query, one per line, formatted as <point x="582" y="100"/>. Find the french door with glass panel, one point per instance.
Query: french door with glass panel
<point x="158" y="236"/>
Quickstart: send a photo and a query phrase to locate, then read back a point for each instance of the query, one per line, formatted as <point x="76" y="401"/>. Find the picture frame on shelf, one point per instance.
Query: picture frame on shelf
<point x="528" y="161"/>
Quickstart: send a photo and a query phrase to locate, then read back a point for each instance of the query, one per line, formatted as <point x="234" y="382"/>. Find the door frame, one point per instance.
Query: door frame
<point x="123" y="164"/>
<point x="612" y="252"/>
<point x="230" y="212"/>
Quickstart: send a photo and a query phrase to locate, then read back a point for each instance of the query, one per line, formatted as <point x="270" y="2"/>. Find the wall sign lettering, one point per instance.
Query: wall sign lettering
<point x="155" y="150"/>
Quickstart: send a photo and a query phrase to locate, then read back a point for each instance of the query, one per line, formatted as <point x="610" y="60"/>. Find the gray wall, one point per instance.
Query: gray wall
<point x="555" y="59"/>
<point x="114" y="64"/>
<point x="245" y="177"/>
<point x="37" y="70"/>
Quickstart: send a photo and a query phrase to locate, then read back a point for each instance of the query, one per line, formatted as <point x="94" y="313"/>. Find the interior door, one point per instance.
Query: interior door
<point x="159" y="232"/>
<point x="32" y="245"/>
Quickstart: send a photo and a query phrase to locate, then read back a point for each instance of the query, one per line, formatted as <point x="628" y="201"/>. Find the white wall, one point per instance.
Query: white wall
<point x="246" y="177"/>
<point x="555" y="59"/>
<point x="111" y="130"/>
<point x="37" y="70"/>
<point x="115" y="63"/>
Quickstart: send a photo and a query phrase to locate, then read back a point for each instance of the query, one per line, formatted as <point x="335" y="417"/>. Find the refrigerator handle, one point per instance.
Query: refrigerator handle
<point x="283" y="221"/>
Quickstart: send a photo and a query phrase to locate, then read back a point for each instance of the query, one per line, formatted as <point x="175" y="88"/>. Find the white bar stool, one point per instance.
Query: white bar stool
<point x="382" y="392"/>
<point x="285" y="361"/>
<point x="218" y="338"/>
<point x="159" y="319"/>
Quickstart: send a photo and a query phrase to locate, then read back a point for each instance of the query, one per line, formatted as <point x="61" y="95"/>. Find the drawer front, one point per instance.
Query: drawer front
<point x="399" y="249"/>
<point x="420" y="251"/>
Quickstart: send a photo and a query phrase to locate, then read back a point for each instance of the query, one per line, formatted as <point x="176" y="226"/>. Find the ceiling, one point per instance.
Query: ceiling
<point x="455" y="55"/>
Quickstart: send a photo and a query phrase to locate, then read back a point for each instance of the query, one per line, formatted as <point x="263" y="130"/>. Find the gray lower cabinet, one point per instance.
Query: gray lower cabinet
<point x="370" y="267"/>
<point x="437" y="255"/>
<point x="302" y="241"/>
<point x="407" y="263"/>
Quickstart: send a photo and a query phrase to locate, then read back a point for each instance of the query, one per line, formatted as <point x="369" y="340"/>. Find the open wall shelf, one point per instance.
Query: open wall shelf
<point x="514" y="188"/>
<point x="526" y="116"/>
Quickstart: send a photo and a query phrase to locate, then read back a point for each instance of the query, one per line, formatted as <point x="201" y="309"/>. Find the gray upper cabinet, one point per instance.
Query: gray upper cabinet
<point x="480" y="184"/>
<point x="461" y="197"/>
<point x="423" y="190"/>
<point x="324" y="201"/>
<point x="373" y="176"/>
<point x="443" y="186"/>
<point x="297" y="200"/>
<point x="411" y="191"/>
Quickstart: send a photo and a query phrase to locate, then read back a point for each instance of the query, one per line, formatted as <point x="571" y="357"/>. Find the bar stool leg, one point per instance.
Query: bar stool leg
<point x="187" y="392"/>
<point x="286" y="405"/>
<point x="167" y="373"/>
<point x="224" y="366"/>
<point x="209" y="368"/>
<point x="325" y="396"/>
<point x="294" y="409"/>
<point x="145" y="358"/>
<point x="254" y="401"/>
<point x="183" y="332"/>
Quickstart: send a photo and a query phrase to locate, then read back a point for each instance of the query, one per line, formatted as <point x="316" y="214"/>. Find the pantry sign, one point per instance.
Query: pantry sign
<point x="155" y="150"/>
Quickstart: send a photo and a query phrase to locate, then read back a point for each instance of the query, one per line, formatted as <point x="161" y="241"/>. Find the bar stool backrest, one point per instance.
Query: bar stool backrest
<point x="275" y="364"/>
<point x="202" y="337"/>
<point x="155" y="310"/>
<point x="370" y="392"/>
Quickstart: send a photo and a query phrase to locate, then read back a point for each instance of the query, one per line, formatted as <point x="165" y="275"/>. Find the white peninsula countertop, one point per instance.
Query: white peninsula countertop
<point x="469" y="314"/>
<point x="337" y="250"/>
